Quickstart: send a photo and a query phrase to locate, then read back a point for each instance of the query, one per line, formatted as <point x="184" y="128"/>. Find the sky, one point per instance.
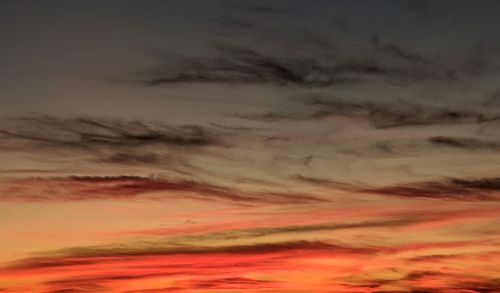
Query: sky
<point x="249" y="146"/>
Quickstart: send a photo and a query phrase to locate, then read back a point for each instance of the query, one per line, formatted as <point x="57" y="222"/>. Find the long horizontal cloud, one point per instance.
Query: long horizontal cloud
<point x="465" y="143"/>
<point x="123" y="187"/>
<point x="481" y="189"/>
<point x="88" y="255"/>
<point x="179" y="262"/>
<point x="93" y="133"/>
<point x="379" y="114"/>
<point x="248" y="234"/>
<point x="452" y="188"/>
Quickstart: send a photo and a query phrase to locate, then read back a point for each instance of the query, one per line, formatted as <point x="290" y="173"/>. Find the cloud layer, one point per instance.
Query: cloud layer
<point x="333" y="146"/>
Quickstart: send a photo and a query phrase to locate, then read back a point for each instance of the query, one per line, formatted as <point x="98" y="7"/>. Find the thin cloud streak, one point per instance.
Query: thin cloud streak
<point x="94" y="133"/>
<point x="483" y="189"/>
<point x="77" y="188"/>
<point x="380" y="115"/>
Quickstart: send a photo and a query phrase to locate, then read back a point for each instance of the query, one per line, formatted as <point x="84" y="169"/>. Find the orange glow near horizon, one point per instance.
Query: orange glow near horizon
<point x="318" y="248"/>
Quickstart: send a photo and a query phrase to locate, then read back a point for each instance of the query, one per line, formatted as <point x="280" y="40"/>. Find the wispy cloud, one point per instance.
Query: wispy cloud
<point x="450" y="188"/>
<point x="461" y="189"/>
<point x="133" y="143"/>
<point x="313" y="59"/>
<point x="471" y="144"/>
<point x="95" y="133"/>
<point x="379" y="114"/>
<point x="180" y="262"/>
<point x="73" y="188"/>
<point x="235" y="64"/>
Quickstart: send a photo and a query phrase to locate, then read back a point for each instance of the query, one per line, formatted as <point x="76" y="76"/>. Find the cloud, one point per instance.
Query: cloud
<point x="488" y="184"/>
<point x="381" y="115"/>
<point x="95" y="133"/>
<point x="261" y="240"/>
<point x="73" y="188"/>
<point x="253" y="234"/>
<point x="460" y="189"/>
<point x="230" y="283"/>
<point x="233" y="283"/>
<point x="225" y="267"/>
<point x="320" y="62"/>
<point x="243" y="65"/>
<point x="479" y="285"/>
<point x="251" y="48"/>
<point x="79" y="288"/>
<point x="426" y="281"/>
<point x="79" y="256"/>
<point x="341" y="235"/>
<point x="111" y="187"/>
<point x="471" y="144"/>
<point x="434" y="258"/>
<point x="450" y="188"/>
<point x="235" y="267"/>
<point x="116" y="142"/>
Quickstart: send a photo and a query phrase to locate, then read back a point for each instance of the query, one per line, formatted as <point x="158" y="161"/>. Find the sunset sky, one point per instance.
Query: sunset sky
<point x="250" y="146"/>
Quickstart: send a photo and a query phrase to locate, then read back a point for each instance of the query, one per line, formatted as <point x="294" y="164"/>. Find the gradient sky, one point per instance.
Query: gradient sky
<point x="249" y="146"/>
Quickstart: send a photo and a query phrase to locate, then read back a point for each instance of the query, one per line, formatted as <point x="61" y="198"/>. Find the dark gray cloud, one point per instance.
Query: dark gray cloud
<point x="471" y="144"/>
<point x="460" y="189"/>
<point x="235" y="64"/>
<point x="305" y="58"/>
<point x="245" y="65"/>
<point x="132" y="143"/>
<point x="381" y="115"/>
<point x="489" y="184"/>
<point x="451" y="188"/>
<point x="94" y="133"/>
